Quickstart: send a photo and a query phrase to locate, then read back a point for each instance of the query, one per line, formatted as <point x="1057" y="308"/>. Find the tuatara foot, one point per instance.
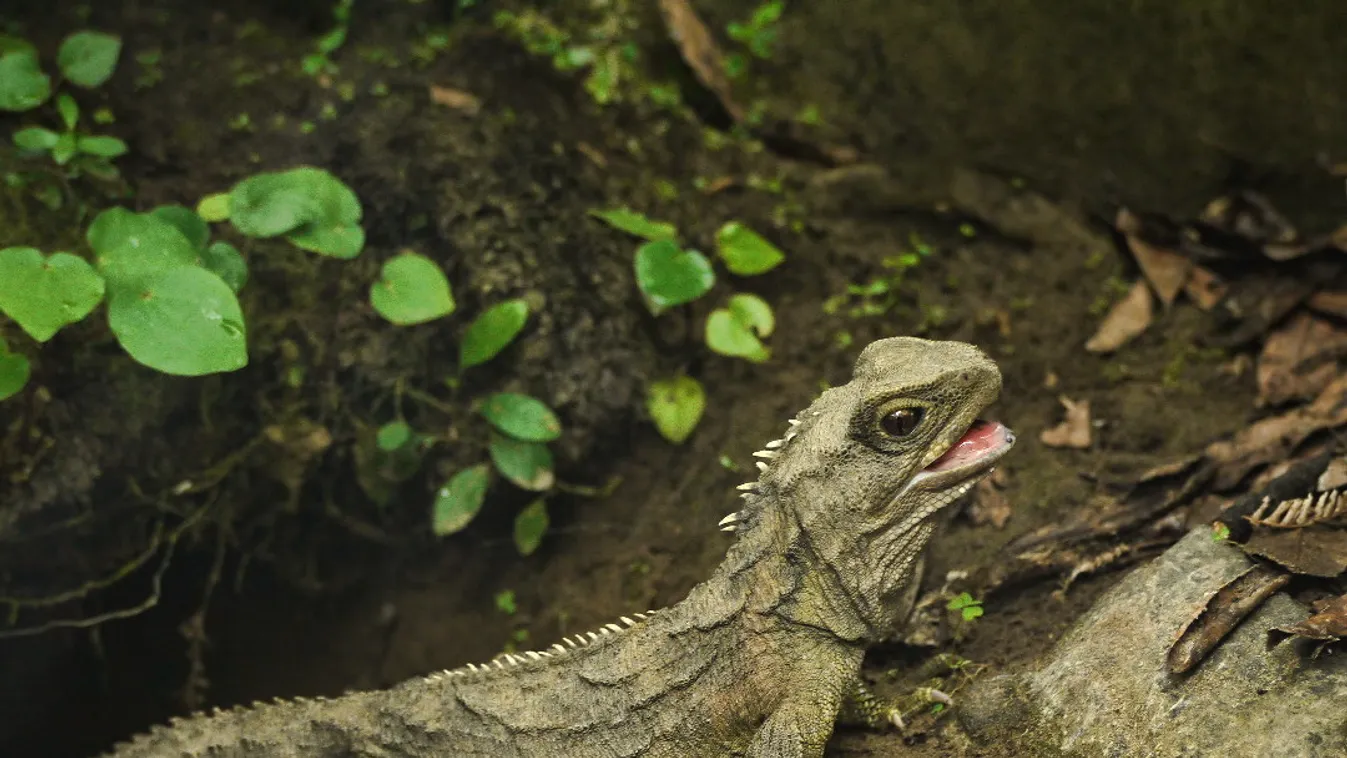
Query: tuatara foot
<point x="862" y="707"/>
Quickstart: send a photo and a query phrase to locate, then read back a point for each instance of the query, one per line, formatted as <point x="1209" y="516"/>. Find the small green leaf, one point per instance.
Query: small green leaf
<point x="393" y="435"/>
<point x="69" y="110"/>
<point x="459" y="500"/>
<point x="745" y="252"/>
<point x="332" y="40"/>
<point x="101" y="146"/>
<point x="971" y="612"/>
<point x="88" y="58"/>
<point x="413" y="290"/>
<point x="43" y="294"/>
<point x="521" y="416"/>
<point x="23" y="86"/>
<point x="491" y="332"/>
<point x="214" y="208"/>
<point x="185" y="220"/>
<point x="185" y="322"/>
<point x="35" y="139"/>
<point x="65" y="148"/>
<point x="14" y="372"/>
<point x="728" y="335"/>
<point x="676" y="405"/>
<point x="311" y="207"/>
<point x="669" y="275"/>
<point x="227" y="262"/>
<point x="130" y="249"/>
<point x="636" y="224"/>
<point x="505" y="602"/>
<point x="754" y="312"/>
<point x="530" y="526"/>
<point x="527" y="464"/>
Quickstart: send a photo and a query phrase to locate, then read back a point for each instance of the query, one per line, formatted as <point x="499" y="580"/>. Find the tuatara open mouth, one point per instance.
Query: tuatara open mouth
<point x="982" y="438"/>
<point x="974" y="453"/>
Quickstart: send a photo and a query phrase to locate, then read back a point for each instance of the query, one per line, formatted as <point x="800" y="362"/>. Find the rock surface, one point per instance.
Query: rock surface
<point x="1104" y="689"/>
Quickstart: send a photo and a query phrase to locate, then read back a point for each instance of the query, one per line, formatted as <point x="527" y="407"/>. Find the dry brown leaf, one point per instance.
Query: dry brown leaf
<point x="989" y="506"/>
<point x="700" y="51"/>
<point x="1329" y="303"/>
<point x="1286" y="369"/>
<point x="455" y="99"/>
<point x="1221" y="614"/>
<point x="1074" y="431"/>
<point x="1314" y="550"/>
<point x="1127" y="318"/>
<point x="1166" y="270"/>
<point x="1204" y="288"/>
<point x="1276" y="437"/>
<point x="1328" y="624"/>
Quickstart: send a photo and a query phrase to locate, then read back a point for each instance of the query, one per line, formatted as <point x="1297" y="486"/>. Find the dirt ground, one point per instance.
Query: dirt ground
<point x="319" y="610"/>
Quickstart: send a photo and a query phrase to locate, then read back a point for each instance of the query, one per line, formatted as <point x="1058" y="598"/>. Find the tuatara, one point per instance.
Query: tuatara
<point x="759" y="660"/>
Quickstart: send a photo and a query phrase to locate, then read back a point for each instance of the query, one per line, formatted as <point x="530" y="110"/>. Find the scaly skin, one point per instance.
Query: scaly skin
<point x="759" y="660"/>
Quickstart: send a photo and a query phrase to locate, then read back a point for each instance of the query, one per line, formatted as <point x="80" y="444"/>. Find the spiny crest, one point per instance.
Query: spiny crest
<point x="506" y="660"/>
<point x="769" y="452"/>
<point x="1314" y="508"/>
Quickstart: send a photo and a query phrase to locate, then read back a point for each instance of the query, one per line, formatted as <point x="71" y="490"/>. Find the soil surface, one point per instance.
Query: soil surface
<point x="298" y="582"/>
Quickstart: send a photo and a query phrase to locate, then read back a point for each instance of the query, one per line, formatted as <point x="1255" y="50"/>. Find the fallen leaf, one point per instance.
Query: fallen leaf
<point x="1127" y="318"/>
<point x="1328" y="624"/>
<point x="1314" y="550"/>
<point x="1221" y="614"/>
<point x="1276" y="437"/>
<point x="1166" y="270"/>
<point x="989" y="506"/>
<point x="1329" y="303"/>
<point x="1204" y="288"/>
<point x="1252" y="216"/>
<point x="1292" y="366"/>
<point x="1334" y="475"/>
<point x="455" y="99"/>
<point x="700" y="52"/>
<point x="1050" y="380"/>
<point x="1074" y="431"/>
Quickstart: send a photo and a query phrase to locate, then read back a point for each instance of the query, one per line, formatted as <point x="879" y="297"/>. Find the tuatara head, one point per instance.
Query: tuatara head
<point x="866" y="467"/>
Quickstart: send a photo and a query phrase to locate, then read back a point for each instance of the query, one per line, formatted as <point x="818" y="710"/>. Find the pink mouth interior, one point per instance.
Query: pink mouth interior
<point x="982" y="437"/>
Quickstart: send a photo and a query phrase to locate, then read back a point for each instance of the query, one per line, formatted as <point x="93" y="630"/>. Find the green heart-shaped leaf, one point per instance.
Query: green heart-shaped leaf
<point x="14" y="372"/>
<point x="226" y="262"/>
<point x="459" y="500"/>
<point x="745" y="252"/>
<point x="313" y="208"/>
<point x="185" y="322"/>
<point x="530" y="526"/>
<point x="88" y="58"/>
<point x="527" y="464"/>
<point x="675" y="405"/>
<point x="393" y="435"/>
<point x="491" y="332"/>
<point x="637" y="224"/>
<point x="23" y="86"/>
<point x="728" y="335"/>
<point x="132" y="249"/>
<point x="521" y="416"/>
<point x="669" y="275"/>
<point x="753" y="312"/>
<point x="413" y="290"/>
<point x="185" y="220"/>
<point x="44" y="294"/>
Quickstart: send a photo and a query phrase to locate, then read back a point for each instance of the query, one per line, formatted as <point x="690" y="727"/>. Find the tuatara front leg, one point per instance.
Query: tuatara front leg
<point x="799" y="728"/>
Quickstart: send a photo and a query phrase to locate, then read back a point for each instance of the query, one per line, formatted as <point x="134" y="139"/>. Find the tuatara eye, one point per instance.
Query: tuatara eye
<point x="901" y="422"/>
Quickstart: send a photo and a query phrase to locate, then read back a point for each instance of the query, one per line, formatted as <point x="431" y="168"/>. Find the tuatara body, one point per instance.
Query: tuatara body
<point x="759" y="660"/>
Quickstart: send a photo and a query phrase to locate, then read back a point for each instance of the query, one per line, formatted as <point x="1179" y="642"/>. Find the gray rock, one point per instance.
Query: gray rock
<point x="1104" y="689"/>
